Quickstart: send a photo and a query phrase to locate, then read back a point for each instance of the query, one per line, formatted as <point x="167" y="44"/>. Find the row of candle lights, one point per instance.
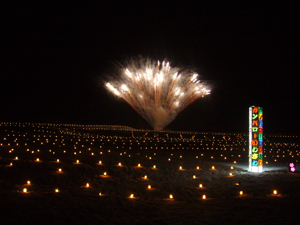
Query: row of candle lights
<point x="149" y="187"/>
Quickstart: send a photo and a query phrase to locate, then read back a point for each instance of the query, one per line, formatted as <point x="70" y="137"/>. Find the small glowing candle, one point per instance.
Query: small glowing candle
<point x="77" y="161"/>
<point x="59" y="170"/>
<point x="104" y="173"/>
<point x="275" y="192"/>
<point x="120" y="164"/>
<point x="230" y="174"/>
<point x="203" y="196"/>
<point x="25" y="190"/>
<point x="37" y="159"/>
<point x="28" y="182"/>
<point x="213" y="167"/>
<point x="139" y="165"/>
<point x="241" y="192"/>
<point x="198" y="167"/>
<point x="194" y="176"/>
<point x="231" y="167"/>
<point x="87" y="185"/>
<point x="100" y="162"/>
<point x="16" y="158"/>
<point x="200" y="185"/>
<point x="171" y="196"/>
<point x="145" y="177"/>
<point x="180" y="167"/>
<point x="57" y="160"/>
<point x="154" y="166"/>
<point x="56" y="190"/>
<point x="132" y="196"/>
<point x="149" y="186"/>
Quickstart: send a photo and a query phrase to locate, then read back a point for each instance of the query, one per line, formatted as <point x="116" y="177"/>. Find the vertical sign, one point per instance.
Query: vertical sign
<point x="255" y="139"/>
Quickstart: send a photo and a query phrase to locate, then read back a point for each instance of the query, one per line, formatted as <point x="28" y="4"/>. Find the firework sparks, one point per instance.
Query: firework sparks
<point x="157" y="91"/>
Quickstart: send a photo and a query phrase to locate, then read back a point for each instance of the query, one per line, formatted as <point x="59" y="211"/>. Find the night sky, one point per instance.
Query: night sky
<point x="56" y="57"/>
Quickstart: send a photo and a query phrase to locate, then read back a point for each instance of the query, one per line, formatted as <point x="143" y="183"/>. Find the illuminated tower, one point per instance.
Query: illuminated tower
<point x="255" y="139"/>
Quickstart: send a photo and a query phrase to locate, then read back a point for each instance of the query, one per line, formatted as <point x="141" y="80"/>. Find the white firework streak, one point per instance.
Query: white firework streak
<point x="157" y="91"/>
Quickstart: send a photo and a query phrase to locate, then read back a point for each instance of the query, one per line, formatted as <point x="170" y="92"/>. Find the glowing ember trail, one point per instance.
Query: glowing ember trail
<point x="157" y="91"/>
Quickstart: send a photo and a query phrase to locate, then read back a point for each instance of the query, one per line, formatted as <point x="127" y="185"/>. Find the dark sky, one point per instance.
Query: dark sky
<point x="56" y="56"/>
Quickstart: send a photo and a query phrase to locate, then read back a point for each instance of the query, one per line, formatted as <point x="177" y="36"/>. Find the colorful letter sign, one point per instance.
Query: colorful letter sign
<point x="255" y="139"/>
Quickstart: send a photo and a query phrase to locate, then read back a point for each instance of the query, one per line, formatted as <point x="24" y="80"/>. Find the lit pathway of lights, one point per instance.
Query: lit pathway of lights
<point x="65" y="148"/>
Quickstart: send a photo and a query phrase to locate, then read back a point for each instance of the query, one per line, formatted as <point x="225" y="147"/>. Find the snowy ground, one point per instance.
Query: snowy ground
<point x="75" y="203"/>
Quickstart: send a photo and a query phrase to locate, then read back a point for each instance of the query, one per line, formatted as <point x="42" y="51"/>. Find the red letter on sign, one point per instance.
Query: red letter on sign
<point x="255" y="123"/>
<point x="254" y="142"/>
<point x="255" y="136"/>
<point x="255" y="110"/>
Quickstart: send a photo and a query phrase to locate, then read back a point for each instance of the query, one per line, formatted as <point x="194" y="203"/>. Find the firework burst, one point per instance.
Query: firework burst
<point x="157" y="91"/>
